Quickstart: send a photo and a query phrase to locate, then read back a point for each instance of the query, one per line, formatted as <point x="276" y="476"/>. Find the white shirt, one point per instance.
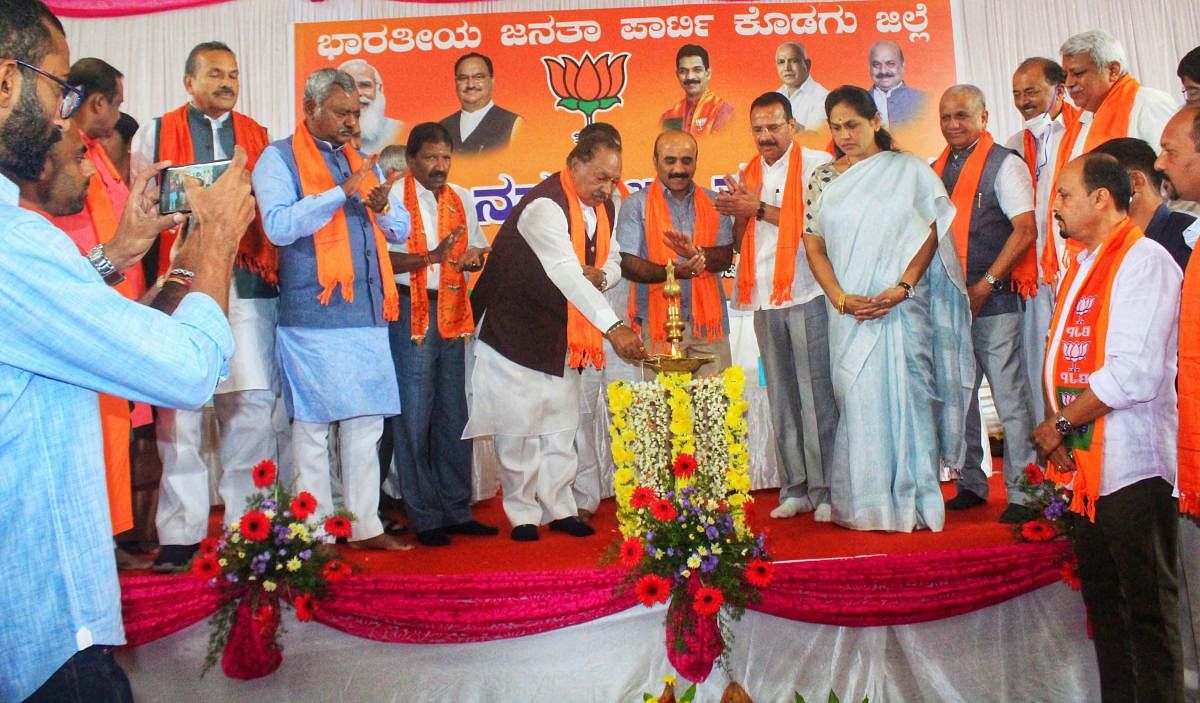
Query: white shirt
<point x="468" y="121"/>
<point x="1191" y="234"/>
<point x="1014" y="187"/>
<point x="808" y="103"/>
<point x="766" y="235"/>
<point x="427" y="202"/>
<point x="145" y="143"/>
<point x="1047" y="138"/>
<point x="1137" y="378"/>
<point x="1151" y="111"/>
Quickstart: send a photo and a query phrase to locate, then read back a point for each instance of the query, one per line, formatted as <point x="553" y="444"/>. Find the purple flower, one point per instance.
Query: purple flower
<point x="670" y="551"/>
<point x="231" y="577"/>
<point x="268" y="504"/>
<point x="649" y="535"/>
<point x="711" y="532"/>
<point x="1055" y="509"/>
<point x="709" y="563"/>
<point x="305" y="555"/>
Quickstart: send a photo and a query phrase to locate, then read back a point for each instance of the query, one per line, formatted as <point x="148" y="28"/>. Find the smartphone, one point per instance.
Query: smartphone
<point x="172" y="197"/>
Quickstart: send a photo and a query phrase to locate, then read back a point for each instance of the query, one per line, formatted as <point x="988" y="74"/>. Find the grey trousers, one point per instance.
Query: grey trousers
<point x="794" y="345"/>
<point x="1035" y="325"/>
<point x="999" y="355"/>
<point x="1189" y="605"/>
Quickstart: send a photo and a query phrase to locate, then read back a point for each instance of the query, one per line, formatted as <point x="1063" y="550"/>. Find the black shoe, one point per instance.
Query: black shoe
<point x="1018" y="514"/>
<point x="173" y="558"/>
<point x="572" y="526"/>
<point x="965" y="499"/>
<point x="525" y="533"/>
<point x="436" y="537"/>
<point x="472" y="527"/>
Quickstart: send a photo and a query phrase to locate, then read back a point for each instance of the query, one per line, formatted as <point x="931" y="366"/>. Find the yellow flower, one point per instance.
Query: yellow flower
<point x="234" y="527"/>
<point x="693" y="562"/>
<point x="268" y="586"/>
<point x="293" y="564"/>
<point x="299" y="529"/>
<point x="234" y="538"/>
<point x="223" y="561"/>
<point x="737" y="499"/>
<point x="669" y="679"/>
<point x="241" y="555"/>
<point x="623" y="475"/>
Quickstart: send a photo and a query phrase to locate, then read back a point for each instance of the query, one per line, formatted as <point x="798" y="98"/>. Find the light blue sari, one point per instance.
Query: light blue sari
<point x="901" y="382"/>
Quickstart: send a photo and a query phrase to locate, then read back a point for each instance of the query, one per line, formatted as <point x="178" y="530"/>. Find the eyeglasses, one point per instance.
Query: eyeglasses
<point x="72" y="94"/>
<point x="1191" y="94"/>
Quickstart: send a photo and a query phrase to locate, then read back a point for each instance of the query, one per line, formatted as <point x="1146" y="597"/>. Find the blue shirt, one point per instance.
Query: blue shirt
<point x="64" y="336"/>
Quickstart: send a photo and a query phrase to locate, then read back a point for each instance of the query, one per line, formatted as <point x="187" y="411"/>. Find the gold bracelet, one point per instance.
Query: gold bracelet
<point x="841" y="305"/>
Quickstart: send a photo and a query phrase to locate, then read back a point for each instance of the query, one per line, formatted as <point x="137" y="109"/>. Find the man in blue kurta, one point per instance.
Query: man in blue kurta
<point x="322" y="205"/>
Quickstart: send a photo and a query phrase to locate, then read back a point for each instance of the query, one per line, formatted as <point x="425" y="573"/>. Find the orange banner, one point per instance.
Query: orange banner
<point x="553" y="73"/>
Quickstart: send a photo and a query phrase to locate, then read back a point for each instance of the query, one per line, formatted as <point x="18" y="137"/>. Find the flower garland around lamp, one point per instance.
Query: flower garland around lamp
<point x="682" y="483"/>
<point x="272" y="555"/>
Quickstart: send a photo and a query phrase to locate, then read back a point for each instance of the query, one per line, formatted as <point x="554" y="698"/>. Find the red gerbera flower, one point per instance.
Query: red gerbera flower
<point x="760" y="573"/>
<point x="338" y="526"/>
<point x="1034" y="475"/>
<point x="306" y="606"/>
<point x="335" y="570"/>
<point x="652" y="589"/>
<point x="303" y="505"/>
<point x="663" y="510"/>
<point x="205" y="567"/>
<point x="1070" y="575"/>
<point x="264" y="473"/>
<point x="708" y="600"/>
<point x="642" y="497"/>
<point x="631" y="552"/>
<point x="1038" y="531"/>
<point x="685" y="466"/>
<point x="255" y="526"/>
<point x="208" y="547"/>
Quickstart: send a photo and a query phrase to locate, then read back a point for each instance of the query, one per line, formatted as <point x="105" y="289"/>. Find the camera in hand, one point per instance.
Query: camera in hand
<point x="172" y="196"/>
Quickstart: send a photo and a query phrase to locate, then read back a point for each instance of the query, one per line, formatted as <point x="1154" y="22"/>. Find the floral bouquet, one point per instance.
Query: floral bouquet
<point x="682" y="483"/>
<point x="272" y="555"/>
<point x="1051" y="501"/>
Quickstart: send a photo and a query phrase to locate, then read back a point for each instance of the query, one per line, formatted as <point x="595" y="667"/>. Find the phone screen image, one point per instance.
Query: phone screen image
<point x="173" y="197"/>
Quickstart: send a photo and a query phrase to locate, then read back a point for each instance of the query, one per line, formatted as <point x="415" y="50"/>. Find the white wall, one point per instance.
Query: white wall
<point x="991" y="37"/>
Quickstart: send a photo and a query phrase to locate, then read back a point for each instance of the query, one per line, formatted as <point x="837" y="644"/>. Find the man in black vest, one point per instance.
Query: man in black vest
<point x="1001" y="230"/>
<point x="525" y="382"/>
<point x="481" y="125"/>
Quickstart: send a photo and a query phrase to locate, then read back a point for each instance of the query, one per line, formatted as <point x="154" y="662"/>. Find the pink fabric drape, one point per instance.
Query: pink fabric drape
<point x="858" y="592"/>
<point x="120" y="8"/>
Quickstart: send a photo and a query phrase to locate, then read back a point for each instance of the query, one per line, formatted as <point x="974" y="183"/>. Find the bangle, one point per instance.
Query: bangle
<point x="908" y="291"/>
<point x="612" y="327"/>
<point x="841" y="305"/>
<point x="104" y="266"/>
<point x="762" y="210"/>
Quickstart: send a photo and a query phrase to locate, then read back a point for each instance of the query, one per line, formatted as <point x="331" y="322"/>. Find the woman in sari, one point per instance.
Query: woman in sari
<point x="878" y="241"/>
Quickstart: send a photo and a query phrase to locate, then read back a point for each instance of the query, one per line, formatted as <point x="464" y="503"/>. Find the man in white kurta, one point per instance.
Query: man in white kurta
<point x="525" y="391"/>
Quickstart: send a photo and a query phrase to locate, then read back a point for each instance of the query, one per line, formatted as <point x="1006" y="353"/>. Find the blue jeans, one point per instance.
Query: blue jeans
<point x="91" y="676"/>
<point x="433" y="463"/>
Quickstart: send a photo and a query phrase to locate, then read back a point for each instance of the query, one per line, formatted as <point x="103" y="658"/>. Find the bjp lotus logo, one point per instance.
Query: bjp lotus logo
<point x="588" y="85"/>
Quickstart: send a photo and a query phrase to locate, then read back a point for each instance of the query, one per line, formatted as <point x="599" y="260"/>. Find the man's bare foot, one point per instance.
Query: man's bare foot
<point x="384" y="542"/>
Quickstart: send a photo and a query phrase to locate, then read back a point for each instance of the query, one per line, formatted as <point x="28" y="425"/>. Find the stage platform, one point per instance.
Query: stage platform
<point x="966" y="614"/>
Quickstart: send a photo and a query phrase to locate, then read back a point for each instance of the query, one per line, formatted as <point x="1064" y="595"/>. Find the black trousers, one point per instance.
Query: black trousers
<point x="91" y="676"/>
<point x="1127" y="563"/>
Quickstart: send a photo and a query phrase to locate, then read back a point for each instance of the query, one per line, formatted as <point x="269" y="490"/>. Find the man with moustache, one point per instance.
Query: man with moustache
<point x="542" y="315"/>
<point x="701" y="112"/>
<point x="332" y="216"/>
<point x="673" y="219"/>
<point x="76" y="339"/>
<point x="481" y="125"/>
<point x="1110" y="384"/>
<point x="898" y="103"/>
<point x="207" y="128"/>
<point x="378" y="130"/>
<point x="805" y="93"/>
<point x="790" y="318"/>
<point x="994" y="231"/>
<point x="1180" y="163"/>
<point x="1040" y="98"/>
<point x="433" y="462"/>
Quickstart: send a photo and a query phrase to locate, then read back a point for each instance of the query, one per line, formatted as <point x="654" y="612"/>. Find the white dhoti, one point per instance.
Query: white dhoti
<point x="533" y="417"/>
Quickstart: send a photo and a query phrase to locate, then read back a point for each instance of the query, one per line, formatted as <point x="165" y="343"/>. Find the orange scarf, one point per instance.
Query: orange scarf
<point x="332" y="242"/>
<point x="791" y="225"/>
<point x="114" y="429"/>
<point x="584" y="341"/>
<point x="706" y="300"/>
<point x="1078" y="353"/>
<point x="701" y="118"/>
<point x="1023" y="277"/>
<point x="1110" y="121"/>
<point x="1189" y="391"/>
<point x="255" y="251"/>
<point x="455" y="320"/>
<point x="1049" y="263"/>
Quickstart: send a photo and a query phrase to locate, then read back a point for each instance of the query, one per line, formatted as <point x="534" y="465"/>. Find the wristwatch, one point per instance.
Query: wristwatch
<point x="762" y="210"/>
<point x="1062" y="426"/>
<point x="996" y="283"/>
<point x="104" y="266"/>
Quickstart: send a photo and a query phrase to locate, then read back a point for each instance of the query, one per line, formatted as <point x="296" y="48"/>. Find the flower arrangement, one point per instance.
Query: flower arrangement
<point x="682" y="483"/>
<point x="276" y="553"/>
<point x="1051" y="503"/>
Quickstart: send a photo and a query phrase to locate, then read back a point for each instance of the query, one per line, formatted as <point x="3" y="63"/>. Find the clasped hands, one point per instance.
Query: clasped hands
<point x="873" y="307"/>
<point x="694" y="261"/>
<point x="470" y="260"/>
<point x="736" y="201"/>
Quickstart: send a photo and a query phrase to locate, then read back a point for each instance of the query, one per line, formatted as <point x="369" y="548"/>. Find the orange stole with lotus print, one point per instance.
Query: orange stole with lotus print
<point x="455" y="320"/>
<point x="698" y="121"/>
<point x="1079" y="352"/>
<point x="1189" y="391"/>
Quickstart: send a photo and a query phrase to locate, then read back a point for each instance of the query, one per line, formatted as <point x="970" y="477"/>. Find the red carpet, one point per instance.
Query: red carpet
<point x="797" y="538"/>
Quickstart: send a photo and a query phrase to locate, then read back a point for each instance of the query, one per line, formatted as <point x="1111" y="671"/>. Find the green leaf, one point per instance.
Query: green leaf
<point x="833" y="697"/>
<point x="688" y="695"/>
<point x="570" y="104"/>
<point x="587" y="107"/>
<point x="799" y="698"/>
<point x="647" y="697"/>
<point x="606" y="103"/>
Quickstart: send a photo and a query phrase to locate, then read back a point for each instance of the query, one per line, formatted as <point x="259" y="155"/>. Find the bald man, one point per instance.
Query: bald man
<point x="897" y="102"/>
<point x="807" y="96"/>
